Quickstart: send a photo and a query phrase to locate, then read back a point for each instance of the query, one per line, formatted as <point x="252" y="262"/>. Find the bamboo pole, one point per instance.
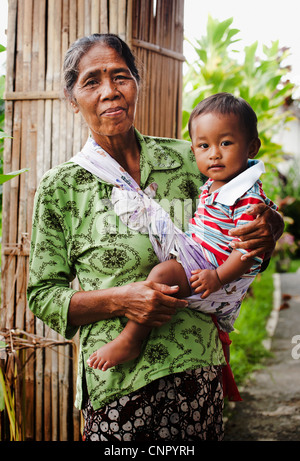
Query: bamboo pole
<point x="113" y="15"/>
<point x="7" y="164"/>
<point x="103" y="17"/>
<point x="121" y="17"/>
<point x="95" y="16"/>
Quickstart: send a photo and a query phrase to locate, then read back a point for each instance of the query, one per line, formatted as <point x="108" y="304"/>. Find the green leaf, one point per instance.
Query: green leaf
<point x="4" y="135"/>
<point x="250" y="58"/>
<point x="202" y="55"/>
<point x="220" y="29"/>
<point x="13" y="174"/>
<point x="2" y="390"/>
<point x="2" y="402"/>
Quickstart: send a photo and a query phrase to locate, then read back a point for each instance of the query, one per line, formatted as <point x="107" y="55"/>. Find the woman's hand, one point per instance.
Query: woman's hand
<point x="261" y="234"/>
<point x="149" y="303"/>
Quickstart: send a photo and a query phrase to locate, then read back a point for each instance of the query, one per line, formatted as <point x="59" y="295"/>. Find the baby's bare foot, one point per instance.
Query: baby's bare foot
<point x="120" y="350"/>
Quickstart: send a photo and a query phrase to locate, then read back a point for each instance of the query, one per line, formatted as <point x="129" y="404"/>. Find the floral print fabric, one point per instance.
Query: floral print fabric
<point x="185" y="406"/>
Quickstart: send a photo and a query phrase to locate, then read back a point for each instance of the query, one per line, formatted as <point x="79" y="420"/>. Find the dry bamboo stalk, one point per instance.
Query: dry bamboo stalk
<point x="80" y="18"/>
<point x="31" y="65"/>
<point x="134" y="21"/>
<point x="121" y="18"/>
<point x="54" y="390"/>
<point x="15" y="160"/>
<point x="39" y="385"/>
<point x="63" y="379"/>
<point x="9" y="123"/>
<point x="47" y="398"/>
<point x="87" y="17"/>
<point x="25" y="149"/>
<point x="41" y="87"/>
<point x="31" y="95"/>
<point x="70" y="115"/>
<point x="72" y="22"/>
<point x="56" y="44"/>
<point x="77" y="118"/>
<point x="63" y="153"/>
<point x="113" y="16"/>
<point x="103" y="17"/>
<point x="128" y="36"/>
<point x="141" y="15"/>
<point x="95" y="16"/>
<point x="49" y="86"/>
<point x="14" y="190"/>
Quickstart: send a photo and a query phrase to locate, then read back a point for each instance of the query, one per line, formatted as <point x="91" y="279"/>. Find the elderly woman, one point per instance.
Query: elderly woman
<point x="173" y="390"/>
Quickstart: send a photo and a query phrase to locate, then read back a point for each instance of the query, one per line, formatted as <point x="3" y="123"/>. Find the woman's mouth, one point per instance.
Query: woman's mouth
<point x="113" y="112"/>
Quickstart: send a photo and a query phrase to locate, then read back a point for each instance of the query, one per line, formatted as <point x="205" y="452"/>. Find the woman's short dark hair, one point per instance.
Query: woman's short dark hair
<point x="226" y="103"/>
<point x="83" y="45"/>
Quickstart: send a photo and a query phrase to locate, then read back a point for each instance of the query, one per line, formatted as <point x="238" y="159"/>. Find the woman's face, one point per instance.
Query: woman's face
<point x="105" y="92"/>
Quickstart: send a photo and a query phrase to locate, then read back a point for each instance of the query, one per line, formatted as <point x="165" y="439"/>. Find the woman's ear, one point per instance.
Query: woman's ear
<point x="254" y="147"/>
<point x="72" y="102"/>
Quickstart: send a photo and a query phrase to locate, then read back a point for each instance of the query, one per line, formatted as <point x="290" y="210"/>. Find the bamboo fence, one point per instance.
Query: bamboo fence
<point x="45" y="133"/>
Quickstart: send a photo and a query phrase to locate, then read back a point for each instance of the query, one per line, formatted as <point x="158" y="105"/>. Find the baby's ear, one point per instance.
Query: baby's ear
<point x="254" y="147"/>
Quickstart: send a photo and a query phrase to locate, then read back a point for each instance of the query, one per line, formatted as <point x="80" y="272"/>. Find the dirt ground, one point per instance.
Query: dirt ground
<point x="270" y="410"/>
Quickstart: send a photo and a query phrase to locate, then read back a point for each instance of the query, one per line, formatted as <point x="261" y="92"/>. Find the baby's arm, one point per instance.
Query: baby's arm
<point x="208" y="281"/>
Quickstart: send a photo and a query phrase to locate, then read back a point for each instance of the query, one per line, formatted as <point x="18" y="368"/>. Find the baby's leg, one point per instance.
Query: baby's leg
<point x="171" y="273"/>
<point x="128" y="344"/>
<point x="125" y="347"/>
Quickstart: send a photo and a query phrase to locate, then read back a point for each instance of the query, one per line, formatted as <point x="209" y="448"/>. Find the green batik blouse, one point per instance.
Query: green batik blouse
<point x="75" y="233"/>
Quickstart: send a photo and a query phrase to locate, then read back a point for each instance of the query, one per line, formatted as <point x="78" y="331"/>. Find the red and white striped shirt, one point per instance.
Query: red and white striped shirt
<point x="213" y="219"/>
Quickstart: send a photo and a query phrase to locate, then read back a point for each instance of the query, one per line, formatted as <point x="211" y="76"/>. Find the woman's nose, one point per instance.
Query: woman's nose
<point x="108" y="89"/>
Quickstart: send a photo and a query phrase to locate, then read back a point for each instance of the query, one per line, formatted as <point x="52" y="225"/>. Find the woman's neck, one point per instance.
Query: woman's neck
<point x="125" y="150"/>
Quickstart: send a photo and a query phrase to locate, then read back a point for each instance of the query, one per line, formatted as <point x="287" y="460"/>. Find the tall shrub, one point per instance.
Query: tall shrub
<point x="262" y="81"/>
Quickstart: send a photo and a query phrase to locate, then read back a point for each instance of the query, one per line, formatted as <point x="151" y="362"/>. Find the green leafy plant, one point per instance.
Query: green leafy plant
<point x="262" y="81"/>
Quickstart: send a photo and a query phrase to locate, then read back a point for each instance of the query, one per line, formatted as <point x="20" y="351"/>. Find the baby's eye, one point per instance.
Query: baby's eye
<point x="203" y="145"/>
<point x="226" y="143"/>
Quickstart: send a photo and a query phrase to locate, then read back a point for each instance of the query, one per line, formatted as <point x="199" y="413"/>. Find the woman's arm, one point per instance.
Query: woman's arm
<point x="50" y="296"/>
<point x="261" y="234"/>
<point x="147" y="303"/>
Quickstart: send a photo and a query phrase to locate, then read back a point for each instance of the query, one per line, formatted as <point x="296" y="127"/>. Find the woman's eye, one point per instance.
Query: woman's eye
<point x="91" y="83"/>
<point x="120" y="78"/>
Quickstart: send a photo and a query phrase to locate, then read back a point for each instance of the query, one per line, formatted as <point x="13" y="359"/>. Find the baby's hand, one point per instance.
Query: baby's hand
<point x="206" y="281"/>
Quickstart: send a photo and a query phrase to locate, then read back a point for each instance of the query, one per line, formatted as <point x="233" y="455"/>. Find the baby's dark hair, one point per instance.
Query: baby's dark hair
<point x="226" y="103"/>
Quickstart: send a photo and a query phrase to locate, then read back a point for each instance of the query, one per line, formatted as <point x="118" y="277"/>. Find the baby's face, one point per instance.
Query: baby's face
<point x="220" y="146"/>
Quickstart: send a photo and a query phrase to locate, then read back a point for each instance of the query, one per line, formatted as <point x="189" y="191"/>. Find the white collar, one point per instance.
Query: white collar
<point x="230" y="192"/>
